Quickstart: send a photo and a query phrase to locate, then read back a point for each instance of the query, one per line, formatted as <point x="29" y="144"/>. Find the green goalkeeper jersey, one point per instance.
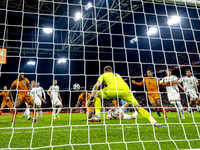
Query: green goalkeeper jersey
<point x="114" y="82"/>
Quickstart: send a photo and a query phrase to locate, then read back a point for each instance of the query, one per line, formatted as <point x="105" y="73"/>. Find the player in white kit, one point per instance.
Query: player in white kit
<point x="190" y="84"/>
<point x="38" y="100"/>
<point x="118" y="113"/>
<point x="56" y="100"/>
<point x="37" y="96"/>
<point x="171" y="82"/>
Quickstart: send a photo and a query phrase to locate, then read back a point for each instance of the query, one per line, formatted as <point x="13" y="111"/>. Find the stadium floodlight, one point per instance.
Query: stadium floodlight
<point x="152" y="31"/>
<point x="31" y="63"/>
<point x="78" y="16"/>
<point x="47" y="30"/>
<point x="173" y="20"/>
<point x="133" y="40"/>
<point x="88" y="6"/>
<point x="62" y="60"/>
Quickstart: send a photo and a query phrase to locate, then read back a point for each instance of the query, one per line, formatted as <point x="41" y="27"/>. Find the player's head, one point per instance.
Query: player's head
<point x="84" y="93"/>
<point x="149" y="73"/>
<point x="188" y="72"/>
<point x="21" y="75"/>
<point x="55" y="82"/>
<point x="38" y="84"/>
<point x="5" y="87"/>
<point x="107" y="69"/>
<point x="32" y="83"/>
<point x="169" y="72"/>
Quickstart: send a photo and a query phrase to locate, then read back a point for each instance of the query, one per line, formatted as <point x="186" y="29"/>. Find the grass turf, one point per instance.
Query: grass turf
<point x="114" y="132"/>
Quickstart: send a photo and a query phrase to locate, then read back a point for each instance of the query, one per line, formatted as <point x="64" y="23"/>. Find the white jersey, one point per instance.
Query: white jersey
<point x="171" y="88"/>
<point x="54" y="90"/>
<point x="33" y="93"/>
<point x="189" y="83"/>
<point x="117" y="112"/>
<point x="39" y="91"/>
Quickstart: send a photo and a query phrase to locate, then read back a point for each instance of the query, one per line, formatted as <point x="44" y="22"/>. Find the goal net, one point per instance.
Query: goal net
<point x="72" y="41"/>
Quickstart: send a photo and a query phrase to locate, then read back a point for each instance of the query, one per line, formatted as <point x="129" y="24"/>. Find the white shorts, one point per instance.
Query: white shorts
<point x="173" y="95"/>
<point x="192" y="95"/>
<point x="56" y="101"/>
<point x="38" y="101"/>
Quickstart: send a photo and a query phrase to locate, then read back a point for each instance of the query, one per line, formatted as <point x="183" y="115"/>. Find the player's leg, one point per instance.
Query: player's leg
<point x="90" y="112"/>
<point x="54" y="111"/>
<point x="2" y="106"/>
<point x="198" y="104"/>
<point x="31" y="102"/>
<point x="59" y="110"/>
<point x="17" y="105"/>
<point x="153" y="102"/>
<point x="180" y="107"/>
<point x="129" y="98"/>
<point x="162" y="109"/>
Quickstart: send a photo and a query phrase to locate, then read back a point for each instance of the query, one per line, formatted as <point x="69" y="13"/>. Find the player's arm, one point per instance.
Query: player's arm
<point x="59" y="96"/>
<point x="77" y="104"/>
<point x="14" y="85"/>
<point x="48" y="92"/>
<point x="109" y="115"/>
<point x="95" y="89"/>
<point x="138" y="83"/>
<point x="43" y="93"/>
<point x="121" y="115"/>
<point x="180" y="85"/>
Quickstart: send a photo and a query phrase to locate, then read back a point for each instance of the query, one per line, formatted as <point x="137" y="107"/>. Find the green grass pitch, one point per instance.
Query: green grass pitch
<point x="121" y="135"/>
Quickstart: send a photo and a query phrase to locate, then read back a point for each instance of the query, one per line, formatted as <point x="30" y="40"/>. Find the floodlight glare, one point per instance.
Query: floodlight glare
<point x="152" y="31"/>
<point x="47" y="30"/>
<point x="133" y="40"/>
<point x="62" y="60"/>
<point x="78" y="16"/>
<point x="88" y="6"/>
<point x="173" y="20"/>
<point x="31" y="63"/>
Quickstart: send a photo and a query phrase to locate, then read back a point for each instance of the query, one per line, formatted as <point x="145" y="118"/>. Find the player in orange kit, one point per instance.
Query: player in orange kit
<point x="23" y="86"/>
<point x="114" y="101"/>
<point x="9" y="104"/>
<point x="152" y="91"/>
<point x="83" y="97"/>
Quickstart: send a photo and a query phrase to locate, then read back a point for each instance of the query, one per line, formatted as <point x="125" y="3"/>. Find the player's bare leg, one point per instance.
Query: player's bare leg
<point x="18" y="103"/>
<point x="59" y="110"/>
<point x="156" y="109"/>
<point x="198" y="104"/>
<point x="190" y="106"/>
<point x="162" y="109"/>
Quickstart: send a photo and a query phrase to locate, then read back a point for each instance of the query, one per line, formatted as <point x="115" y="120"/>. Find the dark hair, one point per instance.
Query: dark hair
<point x="108" y="69"/>
<point x="188" y="70"/>
<point x="169" y="69"/>
<point x="111" y="105"/>
<point x="20" y="71"/>
<point x="55" y="79"/>
<point x="150" y="71"/>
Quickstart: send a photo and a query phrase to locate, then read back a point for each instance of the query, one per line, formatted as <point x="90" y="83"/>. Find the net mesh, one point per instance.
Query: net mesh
<point x="72" y="41"/>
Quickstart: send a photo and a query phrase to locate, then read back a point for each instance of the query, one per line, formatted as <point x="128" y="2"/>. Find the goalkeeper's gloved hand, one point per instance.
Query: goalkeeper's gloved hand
<point x="89" y="101"/>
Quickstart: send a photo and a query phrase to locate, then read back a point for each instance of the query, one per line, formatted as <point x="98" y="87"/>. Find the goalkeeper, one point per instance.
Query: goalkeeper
<point x="116" y="88"/>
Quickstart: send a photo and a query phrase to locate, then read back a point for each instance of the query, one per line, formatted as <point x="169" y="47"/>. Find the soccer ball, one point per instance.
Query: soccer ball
<point x="76" y="86"/>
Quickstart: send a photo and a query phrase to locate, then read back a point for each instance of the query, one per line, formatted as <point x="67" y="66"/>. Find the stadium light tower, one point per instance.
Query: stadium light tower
<point x="62" y="60"/>
<point x="173" y="20"/>
<point x="88" y="6"/>
<point x="31" y="63"/>
<point x="47" y="30"/>
<point x="78" y="16"/>
<point x="152" y="31"/>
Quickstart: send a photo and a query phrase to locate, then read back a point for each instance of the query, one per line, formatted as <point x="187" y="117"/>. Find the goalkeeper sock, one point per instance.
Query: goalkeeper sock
<point x="59" y="110"/>
<point x="147" y="115"/>
<point x="97" y="103"/>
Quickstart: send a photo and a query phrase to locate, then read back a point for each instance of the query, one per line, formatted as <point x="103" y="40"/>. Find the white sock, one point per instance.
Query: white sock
<point x="59" y="110"/>
<point x="28" y="112"/>
<point x="41" y="113"/>
<point x="135" y="114"/>
<point x="126" y="116"/>
<point x="25" y="112"/>
<point x="189" y="108"/>
<point x="180" y="107"/>
<point x="54" y="112"/>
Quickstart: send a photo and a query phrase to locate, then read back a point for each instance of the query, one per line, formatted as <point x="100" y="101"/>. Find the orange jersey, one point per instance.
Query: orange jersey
<point x="83" y="99"/>
<point x="151" y="84"/>
<point x="5" y="95"/>
<point x="21" y="85"/>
